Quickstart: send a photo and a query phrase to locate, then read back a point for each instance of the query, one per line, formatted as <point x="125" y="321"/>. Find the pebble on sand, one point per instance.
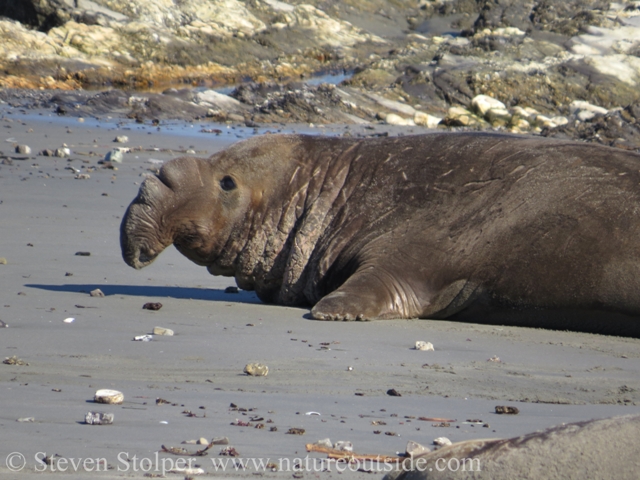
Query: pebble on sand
<point x="121" y="139"/>
<point x="442" y="441"/>
<point x="114" y="156"/>
<point x="256" y="370"/>
<point x="96" y="293"/>
<point x="23" y="149"/>
<point x="98" y="418"/>
<point x="3" y="261"/>
<point x="105" y="395"/>
<point x="167" y="332"/>
<point x="424" y="346"/>
<point x="414" y="448"/>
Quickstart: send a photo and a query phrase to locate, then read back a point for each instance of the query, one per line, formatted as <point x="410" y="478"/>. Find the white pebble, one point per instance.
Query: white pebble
<point x="69" y="320"/>
<point x="442" y="441"/>
<point x="424" y="346"/>
<point x="106" y="395"/>
<point x="167" y="332"/>
<point x="483" y="103"/>
<point x="143" y="338"/>
<point x="343" y="446"/>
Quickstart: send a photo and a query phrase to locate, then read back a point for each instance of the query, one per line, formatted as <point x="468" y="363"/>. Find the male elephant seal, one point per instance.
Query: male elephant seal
<point x="600" y="449"/>
<point x="471" y="226"/>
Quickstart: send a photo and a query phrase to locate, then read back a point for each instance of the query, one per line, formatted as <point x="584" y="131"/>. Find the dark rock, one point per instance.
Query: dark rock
<point x="619" y="128"/>
<point x="41" y="14"/>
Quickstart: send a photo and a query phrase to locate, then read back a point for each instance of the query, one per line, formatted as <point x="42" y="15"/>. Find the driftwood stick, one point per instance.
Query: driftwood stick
<point x="342" y="455"/>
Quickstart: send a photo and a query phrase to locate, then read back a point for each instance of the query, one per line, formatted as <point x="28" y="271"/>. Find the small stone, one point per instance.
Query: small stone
<point x="23" y="149"/>
<point x="152" y="306"/>
<point x="295" y="431"/>
<point x="220" y="441"/>
<point x="26" y="420"/>
<point x="426" y="120"/>
<point x="442" y="441"/>
<point x="343" y="446"/>
<point x="393" y="393"/>
<point x="458" y="116"/>
<point x="3" y="261"/>
<point x="167" y="332"/>
<point x="325" y="442"/>
<point x="483" y="103"/>
<point x="14" y="360"/>
<point x="585" y="111"/>
<point x="143" y="338"/>
<point x="507" y="410"/>
<point x="121" y="139"/>
<point x="114" y="156"/>
<point x="424" y="346"/>
<point x="256" y="370"/>
<point x="113" y="397"/>
<point x="498" y="117"/>
<point x="394" y="119"/>
<point x="46" y="153"/>
<point x="98" y="418"/>
<point x="62" y="152"/>
<point x="229" y="452"/>
<point x="96" y="293"/>
<point x="203" y="441"/>
<point x="83" y="254"/>
<point x="69" y="320"/>
<point x="414" y="448"/>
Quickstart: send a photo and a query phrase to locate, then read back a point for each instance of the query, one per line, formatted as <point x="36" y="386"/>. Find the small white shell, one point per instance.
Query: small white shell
<point x="325" y="442"/>
<point x="98" y="418"/>
<point x="143" y="338"/>
<point x="69" y="320"/>
<point x="313" y="413"/>
<point x="343" y="446"/>
<point x="442" y="441"/>
<point x="424" y="346"/>
<point x="256" y="370"/>
<point x="188" y="471"/>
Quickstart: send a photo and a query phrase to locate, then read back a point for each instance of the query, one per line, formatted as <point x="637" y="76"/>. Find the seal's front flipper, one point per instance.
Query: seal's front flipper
<point x="369" y="294"/>
<point x="376" y="294"/>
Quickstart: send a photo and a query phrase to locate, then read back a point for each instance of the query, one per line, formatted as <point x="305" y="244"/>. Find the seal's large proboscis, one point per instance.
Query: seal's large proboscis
<point x="478" y="227"/>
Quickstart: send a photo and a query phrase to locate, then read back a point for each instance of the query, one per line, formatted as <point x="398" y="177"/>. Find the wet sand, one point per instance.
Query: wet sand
<point x="47" y="216"/>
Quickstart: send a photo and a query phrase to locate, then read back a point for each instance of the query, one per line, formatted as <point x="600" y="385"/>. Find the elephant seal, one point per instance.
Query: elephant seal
<point x="486" y="228"/>
<point x="606" y="448"/>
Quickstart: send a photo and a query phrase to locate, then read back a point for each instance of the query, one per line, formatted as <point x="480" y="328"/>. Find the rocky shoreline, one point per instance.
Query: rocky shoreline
<point x="554" y="68"/>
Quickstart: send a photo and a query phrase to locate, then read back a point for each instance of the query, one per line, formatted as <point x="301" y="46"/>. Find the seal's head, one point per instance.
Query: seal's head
<point x="202" y="206"/>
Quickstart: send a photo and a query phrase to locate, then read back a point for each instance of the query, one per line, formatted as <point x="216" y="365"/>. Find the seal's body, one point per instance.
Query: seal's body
<point x="606" y="448"/>
<point x="471" y="226"/>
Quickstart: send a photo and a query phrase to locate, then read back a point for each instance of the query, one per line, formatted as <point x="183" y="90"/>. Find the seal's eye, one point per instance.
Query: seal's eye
<point x="227" y="183"/>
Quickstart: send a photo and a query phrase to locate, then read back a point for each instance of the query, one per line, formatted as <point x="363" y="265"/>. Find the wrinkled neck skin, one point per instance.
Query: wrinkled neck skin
<point x="269" y="251"/>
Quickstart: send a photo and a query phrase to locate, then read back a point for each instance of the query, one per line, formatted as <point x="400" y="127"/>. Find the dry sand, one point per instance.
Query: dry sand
<point x="46" y="216"/>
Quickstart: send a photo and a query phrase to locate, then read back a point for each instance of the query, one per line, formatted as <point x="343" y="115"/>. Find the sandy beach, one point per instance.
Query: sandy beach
<point x="330" y="379"/>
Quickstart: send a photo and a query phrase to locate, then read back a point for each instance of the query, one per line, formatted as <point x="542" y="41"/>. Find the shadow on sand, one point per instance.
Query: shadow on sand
<point x="155" y="291"/>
